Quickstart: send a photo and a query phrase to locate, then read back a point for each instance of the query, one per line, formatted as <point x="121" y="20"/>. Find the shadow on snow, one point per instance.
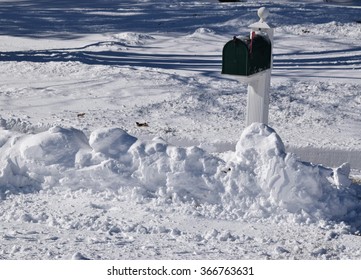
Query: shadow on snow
<point x="65" y="19"/>
<point x="199" y="62"/>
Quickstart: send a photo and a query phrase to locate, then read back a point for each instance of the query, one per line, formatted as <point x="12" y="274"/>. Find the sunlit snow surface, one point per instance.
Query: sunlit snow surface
<point x="79" y="177"/>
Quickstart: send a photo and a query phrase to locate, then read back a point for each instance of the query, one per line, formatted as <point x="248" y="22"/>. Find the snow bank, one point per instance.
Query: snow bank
<point x="132" y="39"/>
<point x="264" y="179"/>
<point x="260" y="180"/>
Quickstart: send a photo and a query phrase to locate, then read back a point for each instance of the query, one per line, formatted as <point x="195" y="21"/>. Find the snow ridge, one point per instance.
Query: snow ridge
<point x="259" y="180"/>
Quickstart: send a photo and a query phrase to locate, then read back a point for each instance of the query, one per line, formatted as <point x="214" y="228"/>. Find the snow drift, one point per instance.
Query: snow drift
<point x="259" y="179"/>
<point x="264" y="179"/>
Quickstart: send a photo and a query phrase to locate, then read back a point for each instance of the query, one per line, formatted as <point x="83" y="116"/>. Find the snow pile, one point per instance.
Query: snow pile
<point x="263" y="179"/>
<point x="260" y="179"/>
<point x="132" y="38"/>
<point x="201" y="32"/>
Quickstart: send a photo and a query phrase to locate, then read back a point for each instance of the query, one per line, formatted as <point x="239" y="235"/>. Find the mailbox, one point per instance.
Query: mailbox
<point x="247" y="56"/>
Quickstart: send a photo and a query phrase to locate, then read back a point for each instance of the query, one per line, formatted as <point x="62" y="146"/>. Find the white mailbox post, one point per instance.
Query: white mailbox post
<point x="259" y="85"/>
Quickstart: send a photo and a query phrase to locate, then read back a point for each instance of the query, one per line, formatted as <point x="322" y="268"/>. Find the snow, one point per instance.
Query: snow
<point x="82" y="178"/>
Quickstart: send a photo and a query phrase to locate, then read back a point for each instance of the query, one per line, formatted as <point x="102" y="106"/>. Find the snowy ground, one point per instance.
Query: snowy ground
<point x="79" y="177"/>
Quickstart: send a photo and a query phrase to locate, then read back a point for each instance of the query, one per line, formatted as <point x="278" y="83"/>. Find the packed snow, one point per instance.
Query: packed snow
<point x="120" y="139"/>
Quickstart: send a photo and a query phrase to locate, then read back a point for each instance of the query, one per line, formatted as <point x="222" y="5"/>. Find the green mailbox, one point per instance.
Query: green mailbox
<point x="246" y="56"/>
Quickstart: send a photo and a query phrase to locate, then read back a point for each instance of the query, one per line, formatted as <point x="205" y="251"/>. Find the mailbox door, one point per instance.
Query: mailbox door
<point x="260" y="55"/>
<point x="235" y="58"/>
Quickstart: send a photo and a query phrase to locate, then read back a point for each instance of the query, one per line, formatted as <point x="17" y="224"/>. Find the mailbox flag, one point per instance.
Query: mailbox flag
<point x="253" y="34"/>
